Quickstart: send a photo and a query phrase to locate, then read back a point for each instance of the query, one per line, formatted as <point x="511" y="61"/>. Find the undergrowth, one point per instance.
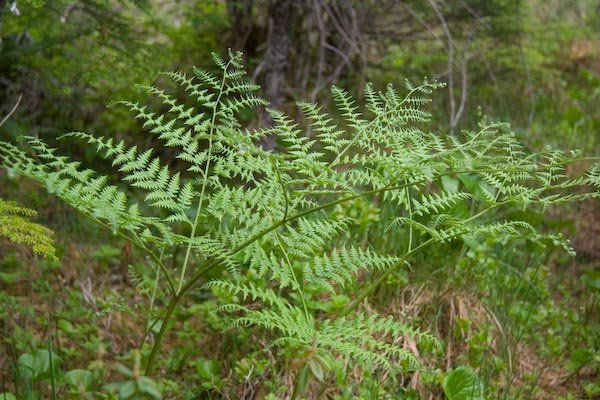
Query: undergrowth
<point x="272" y="234"/>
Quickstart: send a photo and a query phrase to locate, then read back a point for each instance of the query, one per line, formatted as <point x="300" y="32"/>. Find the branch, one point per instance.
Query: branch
<point x="450" y="50"/>
<point x="12" y="111"/>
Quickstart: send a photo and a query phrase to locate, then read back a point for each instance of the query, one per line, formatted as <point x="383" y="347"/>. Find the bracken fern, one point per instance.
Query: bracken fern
<point x="264" y="218"/>
<point x="16" y="227"/>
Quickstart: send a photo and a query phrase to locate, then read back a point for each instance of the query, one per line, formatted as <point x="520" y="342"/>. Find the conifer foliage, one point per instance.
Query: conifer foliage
<point x="262" y="221"/>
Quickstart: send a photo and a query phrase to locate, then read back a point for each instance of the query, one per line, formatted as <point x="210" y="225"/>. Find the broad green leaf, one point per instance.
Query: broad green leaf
<point x="463" y="383"/>
<point x="450" y="184"/>
<point x="79" y="379"/>
<point x="36" y="365"/>
<point x="207" y="368"/>
<point x="302" y="380"/>
<point x="127" y="391"/>
<point x="317" y="370"/>
<point x="149" y="387"/>
<point x="66" y="326"/>
<point x="123" y="370"/>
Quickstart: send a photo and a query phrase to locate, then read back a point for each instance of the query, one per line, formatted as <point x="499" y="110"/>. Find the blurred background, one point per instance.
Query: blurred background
<point x="534" y="63"/>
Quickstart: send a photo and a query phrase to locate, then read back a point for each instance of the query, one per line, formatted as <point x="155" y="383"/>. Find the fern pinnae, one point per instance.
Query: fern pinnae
<point x="143" y="171"/>
<point x="210" y="80"/>
<point x="438" y="202"/>
<point x="206" y="169"/>
<point x="15" y="225"/>
<point x="296" y="282"/>
<point x="97" y="201"/>
<point x="342" y="265"/>
<point x="270" y="212"/>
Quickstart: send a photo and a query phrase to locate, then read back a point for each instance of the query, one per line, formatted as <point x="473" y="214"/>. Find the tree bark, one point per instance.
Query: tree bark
<point x="281" y="19"/>
<point x="241" y="14"/>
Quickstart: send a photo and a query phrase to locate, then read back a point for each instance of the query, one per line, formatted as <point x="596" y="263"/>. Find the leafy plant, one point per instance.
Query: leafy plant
<point x="264" y="229"/>
<point x="463" y="383"/>
<point x="16" y="227"/>
<point x="33" y="368"/>
<point x="136" y="386"/>
<point x="37" y="365"/>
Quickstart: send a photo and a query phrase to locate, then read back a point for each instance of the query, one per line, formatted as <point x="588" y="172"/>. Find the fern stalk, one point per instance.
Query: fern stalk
<point x="205" y="180"/>
<point x="273" y="214"/>
<point x="410" y="216"/>
<point x="214" y="263"/>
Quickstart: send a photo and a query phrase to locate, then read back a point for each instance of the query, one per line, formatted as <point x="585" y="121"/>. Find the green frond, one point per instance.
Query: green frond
<point x="593" y="176"/>
<point x="145" y="172"/>
<point x="207" y="79"/>
<point x="82" y="188"/>
<point x="193" y="89"/>
<point x="328" y="133"/>
<point x="16" y="227"/>
<point x="437" y="203"/>
<point x="341" y="266"/>
<point x="275" y="226"/>
<point x="274" y="267"/>
<point x="372" y="341"/>
<point x="374" y="102"/>
<point x="281" y="316"/>
<point x="244" y="101"/>
<point x="311" y="235"/>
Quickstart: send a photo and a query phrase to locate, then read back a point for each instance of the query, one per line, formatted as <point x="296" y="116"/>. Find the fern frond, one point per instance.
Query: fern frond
<point x="360" y="339"/>
<point x="277" y="226"/>
<point x="311" y="235"/>
<point x="16" y="227"/>
<point x="342" y="265"/>
<point x="437" y="203"/>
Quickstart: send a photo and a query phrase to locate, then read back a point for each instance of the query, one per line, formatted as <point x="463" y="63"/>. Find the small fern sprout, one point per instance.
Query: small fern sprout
<point x="270" y="227"/>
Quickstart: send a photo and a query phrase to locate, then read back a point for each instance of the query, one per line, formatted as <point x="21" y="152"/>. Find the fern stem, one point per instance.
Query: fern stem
<point x="284" y="190"/>
<point x="161" y="333"/>
<point x="52" y="369"/>
<point x="149" y="326"/>
<point x="359" y="134"/>
<point x="181" y="289"/>
<point x="162" y="268"/>
<point x="212" y="264"/>
<point x="300" y="292"/>
<point x="410" y="216"/>
<point x="204" y="181"/>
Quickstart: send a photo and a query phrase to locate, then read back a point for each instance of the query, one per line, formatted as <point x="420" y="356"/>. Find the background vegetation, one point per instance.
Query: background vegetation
<point x="513" y="321"/>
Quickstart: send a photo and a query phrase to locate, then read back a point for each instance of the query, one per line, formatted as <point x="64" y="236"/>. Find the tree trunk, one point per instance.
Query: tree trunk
<point x="241" y="15"/>
<point x="281" y="19"/>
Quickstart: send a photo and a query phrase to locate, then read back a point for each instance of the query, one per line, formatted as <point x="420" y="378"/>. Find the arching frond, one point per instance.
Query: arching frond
<point x="274" y="228"/>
